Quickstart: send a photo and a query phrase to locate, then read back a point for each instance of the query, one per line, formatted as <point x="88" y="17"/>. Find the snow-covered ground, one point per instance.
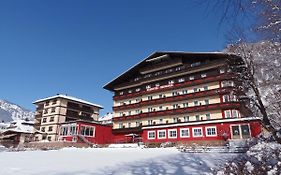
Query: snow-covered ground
<point x="105" y="161"/>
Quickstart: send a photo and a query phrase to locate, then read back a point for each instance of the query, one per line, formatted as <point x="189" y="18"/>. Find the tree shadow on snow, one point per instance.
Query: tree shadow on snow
<point x="179" y="164"/>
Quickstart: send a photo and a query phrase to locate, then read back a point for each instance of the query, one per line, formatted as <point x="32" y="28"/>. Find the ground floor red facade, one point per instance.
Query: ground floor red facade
<point x="212" y="130"/>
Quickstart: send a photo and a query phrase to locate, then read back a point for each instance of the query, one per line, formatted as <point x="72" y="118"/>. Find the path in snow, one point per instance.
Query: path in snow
<point x="109" y="161"/>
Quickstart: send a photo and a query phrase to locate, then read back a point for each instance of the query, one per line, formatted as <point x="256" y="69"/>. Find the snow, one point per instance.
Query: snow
<point x="69" y="98"/>
<point x="21" y="126"/>
<point x="103" y="161"/>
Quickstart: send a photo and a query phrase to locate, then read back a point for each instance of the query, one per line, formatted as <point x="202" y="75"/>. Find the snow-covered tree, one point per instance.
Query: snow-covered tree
<point x="260" y="74"/>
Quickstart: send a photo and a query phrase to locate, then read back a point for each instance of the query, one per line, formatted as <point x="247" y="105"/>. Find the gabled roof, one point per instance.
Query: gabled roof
<point x="68" y="98"/>
<point x="131" y="71"/>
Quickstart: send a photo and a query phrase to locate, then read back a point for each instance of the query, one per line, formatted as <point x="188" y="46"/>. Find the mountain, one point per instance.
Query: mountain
<point x="10" y="111"/>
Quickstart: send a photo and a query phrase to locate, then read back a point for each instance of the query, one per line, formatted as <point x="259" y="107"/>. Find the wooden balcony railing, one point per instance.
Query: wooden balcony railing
<point x="178" y="111"/>
<point x="127" y="130"/>
<point x="211" y="92"/>
<point x="177" y="86"/>
<point x="185" y="70"/>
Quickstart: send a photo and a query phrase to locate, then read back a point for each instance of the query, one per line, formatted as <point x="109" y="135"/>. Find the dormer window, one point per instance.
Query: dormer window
<point x="203" y="75"/>
<point x="130" y="91"/>
<point x="121" y="93"/>
<point x="138" y="89"/>
<point x="148" y="87"/>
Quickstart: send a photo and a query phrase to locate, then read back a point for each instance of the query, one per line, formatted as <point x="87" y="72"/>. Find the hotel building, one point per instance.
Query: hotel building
<point x="54" y="111"/>
<point x="180" y="96"/>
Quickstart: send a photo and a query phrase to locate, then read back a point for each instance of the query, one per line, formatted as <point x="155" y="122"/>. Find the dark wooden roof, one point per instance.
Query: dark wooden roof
<point x="185" y="55"/>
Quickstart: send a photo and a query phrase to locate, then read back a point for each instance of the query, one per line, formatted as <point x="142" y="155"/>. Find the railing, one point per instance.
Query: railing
<point x="177" y="86"/>
<point x="186" y="70"/>
<point x="176" y="98"/>
<point x="181" y="111"/>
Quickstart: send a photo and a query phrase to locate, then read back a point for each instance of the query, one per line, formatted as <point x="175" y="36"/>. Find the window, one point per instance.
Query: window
<point x="208" y="116"/>
<point x="137" y="111"/>
<point x="205" y="88"/>
<point x="191" y="78"/>
<point x="235" y="114"/>
<point x="129" y="125"/>
<point x="49" y="138"/>
<point x="222" y="70"/>
<point x="87" y="130"/>
<point x="52" y="119"/>
<point x="138" y="89"/>
<point x="149" y="109"/>
<point x="206" y="101"/>
<point x="72" y="130"/>
<point x="174" y="93"/>
<point x="186" y="118"/>
<point x="47" y="103"/>
<point x="227" y="83"/>
<point x="136" y="79"/>
<point x="121" y="114"/>
<point x="160" y="120"/>
<point x="195" y="64"/>
<point x="44" y="120"/>
<point x="197" y="132"/>
<point x="149" y="97"/>
<point x="211" y="131"/>
<point x="225" y="98"/>
<point x="120" y="125"/>
<point x="130" y="91"/>
<point x="197" y="117"/>
<point x="137" y="123"/>
<point x="184" y="132"/>
<point x="157" y="85"/>
<point x="171" y="82"/>
<point x="148" y="86"/>
<point x="50" y="128"/>
<point x="175" y="120"/>
<point x="151" y="134"/>
<point x="63" y="130"/>
<point x="195" y="89"/>
<point x="121" y="93"/>
<point x="43" y="129"/>
<point x="227" y="114"/>
<point x="185" y="105"/>
<point x="129" y="112"/>
<point x="184" y="91"/>
<point x="203" y="75"/>
<point x="137" y="100"/>
<point x="160" y="108"/>
<point x="53" y="110"/>
<point x="175" y="106"/>
<point x="195" y="103"/>
<point x="172" y="133"/>
<point x="160" y="95"/>
<point x="150" y="122"/>
<point x="54" y="102"/>
<point x="181" y="80"/>
<point x="130" y="101"/>
<point x="161" y="134"/>
<point x="45" y="111"/>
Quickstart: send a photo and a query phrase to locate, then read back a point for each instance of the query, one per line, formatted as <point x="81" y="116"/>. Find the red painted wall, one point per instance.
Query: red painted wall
<point x="255" y="129"/>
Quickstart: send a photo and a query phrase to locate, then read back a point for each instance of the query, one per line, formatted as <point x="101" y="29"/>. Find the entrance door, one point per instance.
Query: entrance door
<point x="241" y="131"/>
<point x="245" y="131"/>
<point x="235" y="132"/>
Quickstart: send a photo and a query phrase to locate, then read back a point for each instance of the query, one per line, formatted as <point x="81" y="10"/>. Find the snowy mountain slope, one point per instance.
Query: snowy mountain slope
<point x="10" y="111"/>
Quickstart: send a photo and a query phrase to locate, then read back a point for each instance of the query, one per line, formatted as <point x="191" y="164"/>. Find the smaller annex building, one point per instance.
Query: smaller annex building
<point x="81" y="131"/>
<point x="63" y="118"/>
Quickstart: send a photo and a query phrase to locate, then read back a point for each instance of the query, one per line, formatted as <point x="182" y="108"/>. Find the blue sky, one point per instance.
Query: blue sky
<point x="76" y="47"/>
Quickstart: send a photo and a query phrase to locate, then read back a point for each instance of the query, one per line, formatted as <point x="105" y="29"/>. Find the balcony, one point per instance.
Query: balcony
<point x="177" y="86"/>
<point x="184" y="71"/>
<point x="176" y="98"/>
<point x="181" y="111"/>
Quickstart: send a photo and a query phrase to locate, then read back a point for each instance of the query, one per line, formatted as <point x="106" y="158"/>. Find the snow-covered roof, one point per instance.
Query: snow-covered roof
<point x="68" y="98"/>
<point x="21" y="126"/>
<point x="106" y="117"/>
